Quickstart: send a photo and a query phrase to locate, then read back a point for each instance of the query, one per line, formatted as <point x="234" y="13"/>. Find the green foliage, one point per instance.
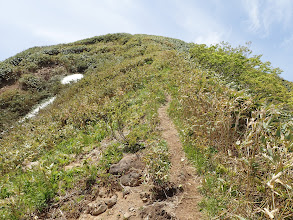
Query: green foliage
<point x="222" y="105"/>
<point x="237" y="146"/>
<point x="236" y="65"/>
<point x="110" y="156"/>
<point x="122" y="37"/>
<point x="6" y="73"/>
<point x="14" y="104"/>
<point x="116" y="101"/>
<point x="75" y="50"/>
<point x="158" y="163"/>
<point x="52" y="51"/>
<point x="41" y="60"/>
<point x="31" y="82"/>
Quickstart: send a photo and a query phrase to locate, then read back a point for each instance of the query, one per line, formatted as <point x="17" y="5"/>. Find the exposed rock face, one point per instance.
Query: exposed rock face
<point x="133" y="178"/>
<point x="124" y="164"/>
<point x="127" y="215"/>
<point x="97" y="207"/>
<point x="158" y="211"/>
<point x="111" y="202"/>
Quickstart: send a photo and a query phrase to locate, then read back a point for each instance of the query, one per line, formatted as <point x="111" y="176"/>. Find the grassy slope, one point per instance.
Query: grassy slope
<point x="237" y="141"/>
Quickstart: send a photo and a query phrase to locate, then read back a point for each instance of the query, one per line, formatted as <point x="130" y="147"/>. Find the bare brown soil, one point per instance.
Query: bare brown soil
<point x="9" y="87"/>
<point x="45" y="73"/>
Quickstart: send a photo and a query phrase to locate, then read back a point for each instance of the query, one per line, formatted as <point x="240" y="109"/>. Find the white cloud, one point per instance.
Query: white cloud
<point x="56" y="36"/>
<point x="69" y="20"/>
<point x="108" y="16"/>
<point x="252" y="8"/>
<point x="287" y="42"/>
<point x="209" y="38"/>
<point x="264" y="15"/>
<point x="200" y="25"/>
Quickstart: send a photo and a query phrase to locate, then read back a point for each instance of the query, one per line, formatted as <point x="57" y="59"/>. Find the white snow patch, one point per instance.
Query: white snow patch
<point x="38" y="108"/>
<point x="71" y="78"/>
<point x="65" y="80"/>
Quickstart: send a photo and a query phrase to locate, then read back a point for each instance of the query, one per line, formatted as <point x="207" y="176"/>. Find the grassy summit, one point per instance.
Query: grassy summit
<point x="233" y="111"/>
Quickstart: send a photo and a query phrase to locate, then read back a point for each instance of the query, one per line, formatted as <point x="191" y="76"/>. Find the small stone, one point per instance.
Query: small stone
<point x="102" y="193"/>
<point x="123" y="165"/>
<point x="127" y="215"/>
<point x="85" y="217"/>
<point x="95" y="190"/>
<point x="72" y="165"/>
<point x="144" y="196"/>
<point x="132" y="209"/>
<point x="97" y="208"/>
<point x="132" y="178"/>
<point x="111" y="202"/>
<point x="126" y="191"/>
<point x="29" y="165"/>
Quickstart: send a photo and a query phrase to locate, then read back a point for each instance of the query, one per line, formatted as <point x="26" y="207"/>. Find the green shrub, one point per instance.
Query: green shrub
<point x="236" y="65"/>
<point x="31" y="82"/>
<point x="16" y="60"/>
<point x="6" y="73"/>
<point x="122" y="37"/>
<point x="51" y="51"/>
<point x="17" y="101"/>
<point x="41" y="60"/>
<point x="75" y="50"/>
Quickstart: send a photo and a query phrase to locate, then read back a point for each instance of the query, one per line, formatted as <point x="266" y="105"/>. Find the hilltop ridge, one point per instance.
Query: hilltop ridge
<point x="233" y="114"/>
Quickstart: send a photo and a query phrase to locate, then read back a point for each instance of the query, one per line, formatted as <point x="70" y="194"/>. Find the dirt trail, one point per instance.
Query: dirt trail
<point x="130" y="198"/>
<point x="181" y="172"/>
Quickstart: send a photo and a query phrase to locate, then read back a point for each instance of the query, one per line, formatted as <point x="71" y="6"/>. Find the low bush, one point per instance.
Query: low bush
<point x="31" y="82"/>
<point x="75" y="50"/>
<point x="249" y="72"/>
<point x="6" y="74"/>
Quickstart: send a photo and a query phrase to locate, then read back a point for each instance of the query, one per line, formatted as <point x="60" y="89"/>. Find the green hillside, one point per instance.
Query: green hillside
<point x="233" y="113"/>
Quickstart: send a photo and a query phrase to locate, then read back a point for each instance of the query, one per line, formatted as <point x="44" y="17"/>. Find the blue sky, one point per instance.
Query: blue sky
<point x="268" y="24"/>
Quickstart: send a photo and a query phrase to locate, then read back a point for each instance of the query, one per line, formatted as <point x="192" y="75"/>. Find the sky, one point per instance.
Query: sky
<point x="267" y="24"/>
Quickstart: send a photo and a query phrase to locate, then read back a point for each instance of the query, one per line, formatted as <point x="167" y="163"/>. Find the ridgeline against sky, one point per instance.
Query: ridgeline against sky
<point x="267" y="24"/>
<point x="232" y="111"/>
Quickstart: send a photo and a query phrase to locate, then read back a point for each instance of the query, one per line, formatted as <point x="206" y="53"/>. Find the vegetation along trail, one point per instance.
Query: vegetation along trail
<point x="107" y="148"/>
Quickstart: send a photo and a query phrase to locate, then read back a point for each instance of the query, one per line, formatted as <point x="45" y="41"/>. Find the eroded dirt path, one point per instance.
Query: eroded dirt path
<point x="129" y="197"/>
<point x="181" y="172"/>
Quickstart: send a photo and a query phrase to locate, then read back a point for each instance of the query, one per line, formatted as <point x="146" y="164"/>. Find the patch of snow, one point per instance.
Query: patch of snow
<point x="65" y="80"/>
<point x="71" y="78"/>
<point x="35" y="111"/>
